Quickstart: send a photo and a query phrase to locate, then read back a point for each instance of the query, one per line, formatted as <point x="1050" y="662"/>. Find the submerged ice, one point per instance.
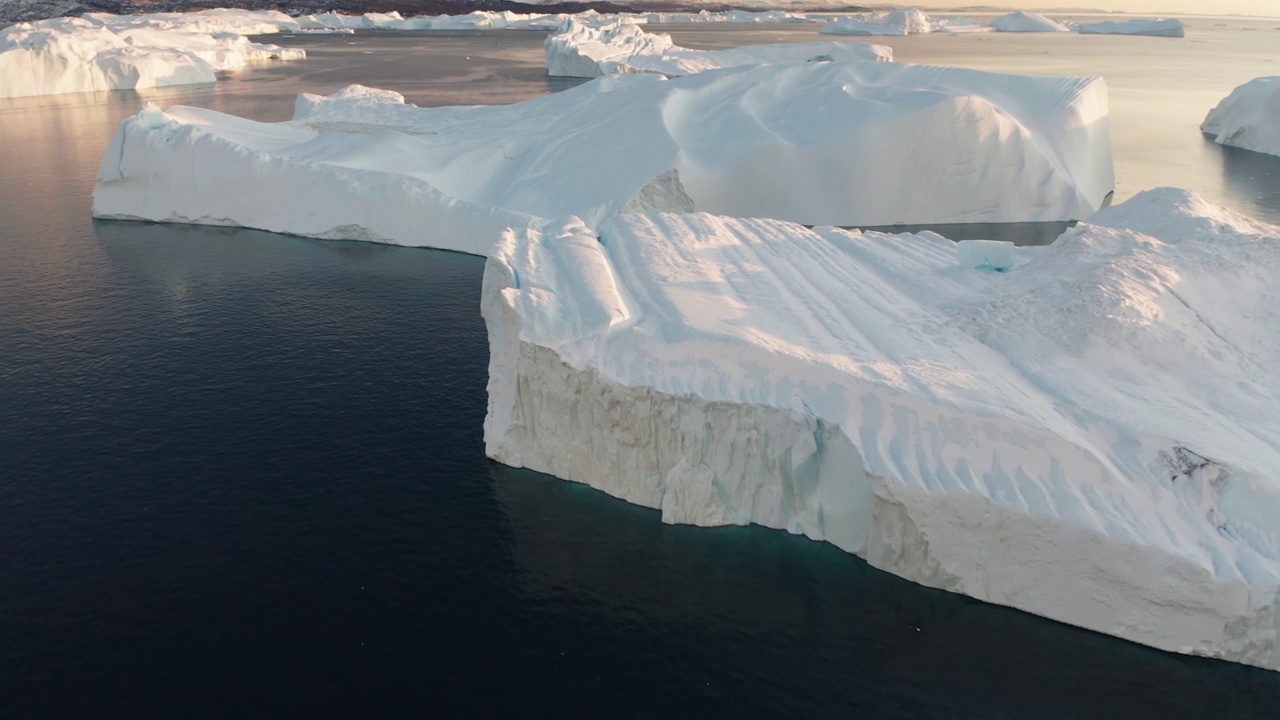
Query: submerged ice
<point x="1092" y="436"/>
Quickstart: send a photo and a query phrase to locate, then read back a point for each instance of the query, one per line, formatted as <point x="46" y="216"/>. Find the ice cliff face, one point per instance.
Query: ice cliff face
<point x="1091" y="436"/>
<point x="824" y="142"/>
<point x="1249" y="117"/>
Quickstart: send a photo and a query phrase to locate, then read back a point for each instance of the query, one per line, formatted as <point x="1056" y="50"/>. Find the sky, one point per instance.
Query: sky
<point x="1201" y="7"/>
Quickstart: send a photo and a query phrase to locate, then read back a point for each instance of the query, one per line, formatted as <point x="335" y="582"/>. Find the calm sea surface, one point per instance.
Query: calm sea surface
<point x="242" y="474"/>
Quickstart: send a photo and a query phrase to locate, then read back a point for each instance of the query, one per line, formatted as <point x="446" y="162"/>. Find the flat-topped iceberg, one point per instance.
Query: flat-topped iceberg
<point x="854" y="143"/>
<point x="1249" y="117"/>
<point x="1092" y="436"/>
<point x="577" y="50"/>
<point x="66" y="55"/>
<point x="1022" y="21"/>
<point x="1141" y="26"/>
<point x="909" y="21"/>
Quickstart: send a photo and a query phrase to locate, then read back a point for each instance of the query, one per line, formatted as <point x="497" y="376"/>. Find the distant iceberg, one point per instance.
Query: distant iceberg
<point x="108" y="52"/>
<point x="909" y="21"/>
<point x="1092" y="436"/>
<point x="1022" y="21"/>
<point x="577" y="50"/>
<point x="1141" y="26"/>
<point x="844" y="143"/>
<point x="1249" y="117"/>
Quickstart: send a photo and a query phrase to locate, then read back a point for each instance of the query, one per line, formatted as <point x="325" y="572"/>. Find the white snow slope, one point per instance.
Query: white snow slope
<point x="109" y="52"/>
<point x="577" y="50"/>
<point x="855" y="143"/>
<point x="1249" y="117"/>
<point x="1154" y="28"/>
<point x="1022" y="21"/>
<point x="1092" y="436"/>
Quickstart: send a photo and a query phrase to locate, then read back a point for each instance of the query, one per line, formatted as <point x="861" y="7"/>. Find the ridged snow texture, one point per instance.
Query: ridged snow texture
<point x="1249" y="117"/>
<point x="1092" y="436"/>
<point x="818" y="143"/>
<point x="577" y="50"/>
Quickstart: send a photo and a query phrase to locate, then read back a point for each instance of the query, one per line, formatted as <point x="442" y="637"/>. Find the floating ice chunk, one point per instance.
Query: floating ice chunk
<point x="1094" y="438"/>
<point x="1141" y="26"/>
<point x="1249" y="117"/>
<point x="1022" y="21"/>
<point x="818" y="143"/>
<point x="985" y="254"/>
<point x="577" y="50"/>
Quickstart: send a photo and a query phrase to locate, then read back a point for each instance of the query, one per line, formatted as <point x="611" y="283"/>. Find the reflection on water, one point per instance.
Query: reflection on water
<point x="1254" y="178"/>
<point x="753" y="597"/>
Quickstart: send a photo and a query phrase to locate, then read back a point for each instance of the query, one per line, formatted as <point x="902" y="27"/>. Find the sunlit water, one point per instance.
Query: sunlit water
<point x="242" y="474"/>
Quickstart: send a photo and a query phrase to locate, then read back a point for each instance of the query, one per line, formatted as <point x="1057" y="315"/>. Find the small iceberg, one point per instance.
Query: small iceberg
<point x="1249" y="117"/>
<point x="1153" y="28"/>
<point x="1022" y="21"/>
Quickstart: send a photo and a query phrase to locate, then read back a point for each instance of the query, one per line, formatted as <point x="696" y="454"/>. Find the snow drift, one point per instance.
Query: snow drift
<point x="854" y="143"/>
<point x="1022" y="21"/>
<point x="1249" y="117"/>
<point x="106" y="52"/>
<point x="1154" y="28"/>
<point x="577" y="50"/>
<point x="1092" y="436"/>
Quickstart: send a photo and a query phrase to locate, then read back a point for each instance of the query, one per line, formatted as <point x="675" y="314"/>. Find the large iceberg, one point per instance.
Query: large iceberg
<point x="1092" y="436"/>
<point x="1140" y="26"/>
<point x="853" y="143"/>
<point x="1022" y="21"/>
<point x="577" y="50"/>
<point x="66" y="55"/>
<point x="1249" y="117"/>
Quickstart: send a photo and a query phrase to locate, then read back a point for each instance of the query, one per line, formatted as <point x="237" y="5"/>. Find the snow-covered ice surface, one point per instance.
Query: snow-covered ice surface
<point x="109" y="52"/>
<point x="1141" y="26"/>
<point x="1092" y="436"/>
<point x="820" y="143"/>
<point x="577" y="50"/>
<point x="1022" y="21"/>
<point x="1249" y="117"/>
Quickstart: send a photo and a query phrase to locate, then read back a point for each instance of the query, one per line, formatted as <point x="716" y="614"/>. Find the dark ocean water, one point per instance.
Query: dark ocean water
<point x="242" y="475"/>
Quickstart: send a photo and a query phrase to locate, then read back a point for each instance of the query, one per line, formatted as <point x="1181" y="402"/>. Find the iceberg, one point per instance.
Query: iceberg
<point x="819" y="143"/>
<point x="909" y="21"/>
<point x="577" y="50"/>
<point x="1022" y="21"/>
<point x="1249" y="117"/>
<point x="1092" y="436"/>
<point x="67" y="55"/>
<point x="1154" y="28"/>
